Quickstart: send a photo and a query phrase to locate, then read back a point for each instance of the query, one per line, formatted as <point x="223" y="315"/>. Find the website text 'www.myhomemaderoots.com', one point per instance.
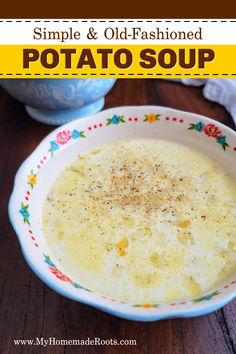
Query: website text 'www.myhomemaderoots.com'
<point x="96" y="341"/>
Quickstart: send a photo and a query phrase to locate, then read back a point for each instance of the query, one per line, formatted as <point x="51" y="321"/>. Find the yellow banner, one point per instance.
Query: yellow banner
<point x="145" y="61"/>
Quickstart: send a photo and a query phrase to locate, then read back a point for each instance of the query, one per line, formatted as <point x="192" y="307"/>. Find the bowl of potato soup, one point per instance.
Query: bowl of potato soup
<point x="132" y="211"/>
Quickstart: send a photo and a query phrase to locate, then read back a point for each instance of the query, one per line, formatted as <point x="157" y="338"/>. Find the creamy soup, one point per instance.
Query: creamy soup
<point x="143" y="220"/>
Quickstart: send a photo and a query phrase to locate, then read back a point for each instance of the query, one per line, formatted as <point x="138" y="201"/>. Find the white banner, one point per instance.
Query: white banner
<point x="117" y="31"/>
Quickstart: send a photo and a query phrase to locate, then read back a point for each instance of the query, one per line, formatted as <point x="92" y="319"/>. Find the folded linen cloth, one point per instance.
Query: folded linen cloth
<point x="222" y="91"/>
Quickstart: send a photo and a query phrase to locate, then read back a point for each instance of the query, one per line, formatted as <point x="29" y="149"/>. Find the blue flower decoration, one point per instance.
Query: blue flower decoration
<point x="75" y="134"/>
<point x="54" y="145"/>
<point x="115" y="119"/>
<point x="221" y="139"/>
<point x="49" y="262"/>
<point x="78" y="286"/>
<point x="206" y="297"/>
<point x="24" y="213"/>
<point x="199" y="126"/>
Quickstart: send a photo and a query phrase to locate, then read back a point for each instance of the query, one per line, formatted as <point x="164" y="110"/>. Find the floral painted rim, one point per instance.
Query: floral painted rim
<point x="211" y="130"/>
<point x="60" y="275"/>
<point x="65" y="136"/>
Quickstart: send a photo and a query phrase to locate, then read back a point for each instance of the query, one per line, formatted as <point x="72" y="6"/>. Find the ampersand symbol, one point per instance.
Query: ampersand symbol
<point x="92" y="34"/>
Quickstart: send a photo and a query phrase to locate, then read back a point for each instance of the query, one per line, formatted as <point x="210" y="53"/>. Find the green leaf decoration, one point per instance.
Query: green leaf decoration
<point x="81" y="134"/>
<point x="215" y="293"/>
<point x="224" y="146"/>
<point x="26" y="221"/>
<point x="51" y="151"/>
<point x="192" y="126"/>
<point x="23" y="206"/>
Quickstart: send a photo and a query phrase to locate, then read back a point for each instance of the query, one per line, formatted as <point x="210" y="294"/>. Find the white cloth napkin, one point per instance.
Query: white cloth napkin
<point x="222" y="91"/>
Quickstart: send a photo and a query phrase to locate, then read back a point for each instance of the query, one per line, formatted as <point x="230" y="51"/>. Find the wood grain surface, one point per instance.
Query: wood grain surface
<point x="30" y="309"/>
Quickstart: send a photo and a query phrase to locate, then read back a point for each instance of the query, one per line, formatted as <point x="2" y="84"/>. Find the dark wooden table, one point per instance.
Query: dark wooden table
<point x="29" y="309"/>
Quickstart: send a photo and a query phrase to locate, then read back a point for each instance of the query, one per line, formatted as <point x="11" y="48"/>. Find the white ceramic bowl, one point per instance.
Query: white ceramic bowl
<point x="58" y="149"/>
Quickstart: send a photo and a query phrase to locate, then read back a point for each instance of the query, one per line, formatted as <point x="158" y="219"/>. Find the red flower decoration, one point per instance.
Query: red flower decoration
<point x="60" y="275"/>
<point x="212" y="130"/>
<point x="63" y="137"/>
